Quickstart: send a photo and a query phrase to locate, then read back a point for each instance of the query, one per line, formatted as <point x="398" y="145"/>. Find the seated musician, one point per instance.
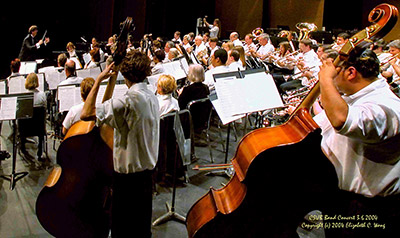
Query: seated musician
<point x="186" y="42"/>
<point x="234" y="38"/>
<point x="379" y="48"/>
<point x="265" y="47"/>
<point x="158" y="58"/>
<point x="360" y="136"/>
<point x="199" y="48"/>
<point x="213" y="47"/>
<point x="32" y="84"/>
<point x="61" y="61"/>
<point x="248" y="43"/>
<point x="14" y="67"/>
<point x="39" y="100"/>
<point x="166" y="85"/>
<point x="196" y="89"/>
<point x="136" y="123"/>
<point x="393" y="69"/>
<point x="218" y="61"/>
<point x="307" y="60"/>
<point x="95" y="58"/>
<point x="235" y="61"/>
<point x="173" y="54"/>
<point x="341" y="39"/>
<point x="70" y="73"/>
<point x="74" y="113"/>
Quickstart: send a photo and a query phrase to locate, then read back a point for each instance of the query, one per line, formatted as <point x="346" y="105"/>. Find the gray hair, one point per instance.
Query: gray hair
<point x="196" y="73"/>
<point x="395" y="44"/>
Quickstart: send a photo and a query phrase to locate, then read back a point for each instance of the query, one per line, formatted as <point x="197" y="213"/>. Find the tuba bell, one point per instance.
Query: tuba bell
<point x="257" y="32"/>
<point x="305" y="29"/>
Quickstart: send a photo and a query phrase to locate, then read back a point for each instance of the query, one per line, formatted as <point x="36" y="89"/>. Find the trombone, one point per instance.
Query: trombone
<point x="389" y="59"/>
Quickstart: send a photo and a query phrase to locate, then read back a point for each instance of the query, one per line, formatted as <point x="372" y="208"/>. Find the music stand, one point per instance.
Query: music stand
<point x="24" y="109"/>
<point x="171" y="214"/>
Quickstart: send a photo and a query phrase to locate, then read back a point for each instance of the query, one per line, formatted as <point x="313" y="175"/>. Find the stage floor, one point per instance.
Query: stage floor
<point x="17" y="207"/>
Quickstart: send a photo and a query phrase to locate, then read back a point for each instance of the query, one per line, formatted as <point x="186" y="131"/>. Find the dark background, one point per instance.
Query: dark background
<point x="70" y="20"/>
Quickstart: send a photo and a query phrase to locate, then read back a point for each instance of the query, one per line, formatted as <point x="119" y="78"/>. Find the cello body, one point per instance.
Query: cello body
<point x="74" y="200"/>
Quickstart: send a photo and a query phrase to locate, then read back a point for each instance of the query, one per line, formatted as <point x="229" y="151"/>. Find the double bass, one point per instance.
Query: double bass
<point x="281" y="173"/>
<point x="75" y="199"/>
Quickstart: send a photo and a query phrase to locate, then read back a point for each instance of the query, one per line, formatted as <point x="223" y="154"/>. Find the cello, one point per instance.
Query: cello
<point x="75" y="199"/>
<point x="285" y="163"/>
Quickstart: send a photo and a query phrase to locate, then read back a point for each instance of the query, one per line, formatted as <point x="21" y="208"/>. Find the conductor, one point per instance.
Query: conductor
<point x="31" y="45"/>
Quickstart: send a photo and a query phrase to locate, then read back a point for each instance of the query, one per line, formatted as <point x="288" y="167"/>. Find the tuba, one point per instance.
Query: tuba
<point x="257" y="32"/>
<point x="305" y="29"/>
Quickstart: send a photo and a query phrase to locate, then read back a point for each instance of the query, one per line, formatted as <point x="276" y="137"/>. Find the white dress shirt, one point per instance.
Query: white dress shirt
<point x="136" y="122"/>
<point x="167" y="104"/>
<point x="213" y="31"/>
<point x="73" y="115"/>
<point x="208" y="77"/>
<point x="365" y="151"/>
<point x="265" y="49"/>
<point x="71" y="80"/>
<point x="395" y="77"/>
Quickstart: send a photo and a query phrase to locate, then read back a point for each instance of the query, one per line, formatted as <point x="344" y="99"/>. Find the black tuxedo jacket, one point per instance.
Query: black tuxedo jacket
<point x="29" y="51"/>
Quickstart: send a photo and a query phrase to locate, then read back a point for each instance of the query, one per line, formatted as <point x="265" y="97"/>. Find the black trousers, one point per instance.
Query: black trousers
<point x="132" y="204"/>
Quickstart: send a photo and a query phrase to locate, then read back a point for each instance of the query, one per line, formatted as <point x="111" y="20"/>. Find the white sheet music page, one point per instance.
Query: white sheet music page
<point x="68" y="96"/>
<point x="260" y="93"/>
<point x="53" y="78"/>
<point x="255" y="92"/>
<point x="229" y="91"/>
<point x="8" y="108"/>
<point x="3" y="87"/>
<point x="16" y="85"/>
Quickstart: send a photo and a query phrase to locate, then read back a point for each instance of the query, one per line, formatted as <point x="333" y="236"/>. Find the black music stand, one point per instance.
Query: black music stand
<point x="24" y="110"/>
<point x="171" y="214"/>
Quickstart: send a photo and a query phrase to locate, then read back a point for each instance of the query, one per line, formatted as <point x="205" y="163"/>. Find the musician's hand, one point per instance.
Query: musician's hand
<point x="393" y="61"/>
<point x="40" y="42"/>
<point x="328" y="71"/>
<point x="47" y="40"/>
<point x="109" y="71"/>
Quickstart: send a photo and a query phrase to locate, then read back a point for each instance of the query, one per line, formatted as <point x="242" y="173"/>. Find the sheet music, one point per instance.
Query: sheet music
<point x="225" y="118"/>
<point x="28" y="67"/>
<point x="94" y="72"/>
<point x="8" y="108"/>
<point x="3" y="87"/>
<point x="174" y="68"/>
<point x="41" y="81"/>
<point x="86" y="57"/>
<point x="53" y="78"/>
<point x="17" y="85"/>
<point x="153" y="82"/>
<point x="120" y="90"/>
<point x="83" y="73"/>
<point x="255" y="92"/>
<point x="185" y="65"/>
<point x="68" y="96"/>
